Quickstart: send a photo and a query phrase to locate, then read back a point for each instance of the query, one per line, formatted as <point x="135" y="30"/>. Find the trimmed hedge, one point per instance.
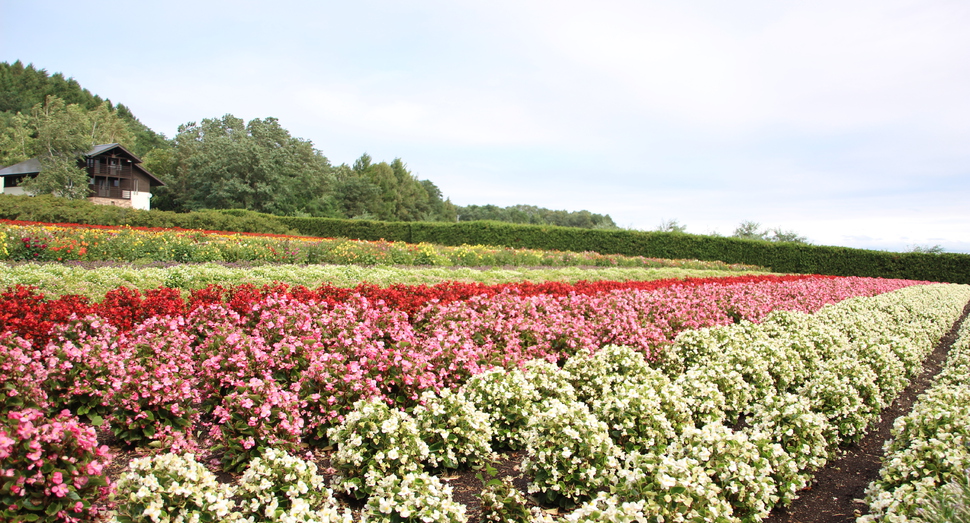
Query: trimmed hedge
<point x="780" y="257"/>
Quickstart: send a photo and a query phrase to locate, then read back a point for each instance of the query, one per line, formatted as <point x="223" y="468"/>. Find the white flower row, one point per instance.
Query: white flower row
<point x="930" y="447"/>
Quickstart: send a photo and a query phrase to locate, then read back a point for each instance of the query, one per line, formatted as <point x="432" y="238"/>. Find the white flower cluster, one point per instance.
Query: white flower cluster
<point x="569" y="453"/>
<point x="930" y="448"/>
<point x="280" y="488"/>
<point x="509" y="399"/>
<point x="375" y="441"/>
<point x="592" y="374"/>
<point x="275" y="488"/>
<point x="608" y="509"/>
<point x="675" y="489"/>
<point x="169" y="488"/>
<point x="418" y="498"/>
<point x="456" y="432"/>
<point x="794" y="386"/>
<point x="503" y="503"/>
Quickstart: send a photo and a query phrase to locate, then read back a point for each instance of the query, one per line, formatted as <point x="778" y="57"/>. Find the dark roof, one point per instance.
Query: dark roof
<point x="31" y="166"/>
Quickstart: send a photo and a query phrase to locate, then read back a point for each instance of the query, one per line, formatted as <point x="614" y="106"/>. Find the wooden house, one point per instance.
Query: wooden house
<point x="116" y="177"/>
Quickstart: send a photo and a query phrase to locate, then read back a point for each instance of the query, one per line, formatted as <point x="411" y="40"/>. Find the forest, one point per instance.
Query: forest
<point x="224" y="162"/>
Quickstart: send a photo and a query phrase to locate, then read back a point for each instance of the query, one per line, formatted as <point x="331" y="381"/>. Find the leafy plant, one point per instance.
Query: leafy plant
<point x="53" y="469"/>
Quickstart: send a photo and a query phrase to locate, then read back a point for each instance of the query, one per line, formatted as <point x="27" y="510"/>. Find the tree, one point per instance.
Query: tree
<point x="749" y="230"/>
<point x="927" y="249"/>
<point x="225" y="163"/>
<point x="779" y="235"/>
<point x="61" y="137"/>
<point x="671" y="226"/>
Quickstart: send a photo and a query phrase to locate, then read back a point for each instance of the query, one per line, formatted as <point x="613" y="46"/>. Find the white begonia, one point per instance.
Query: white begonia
<point x="930" y="447"/>
<point x="280" y="488"/>
<point x="412" y="497"/>
<point x="509" y="399"/>
<point x="174" y="485"/>
<point x="363" y="446"/>
<point x="457" y="433"/>
<point x="592" y="461"/>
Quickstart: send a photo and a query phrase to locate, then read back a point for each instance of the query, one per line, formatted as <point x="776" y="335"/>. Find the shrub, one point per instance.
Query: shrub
<point x="509" y="400"/>
<point x="52" y="470"/>
<point x="169" y="487"/>
<point x="278" y="487"/>
<point x="673" y="489"/>
<point x="375" y="441"/>
<point x="412" y="498"/>
<point x="255" y="416"/>
<point x="456" y="432"/>
<point x="569" y="454"/>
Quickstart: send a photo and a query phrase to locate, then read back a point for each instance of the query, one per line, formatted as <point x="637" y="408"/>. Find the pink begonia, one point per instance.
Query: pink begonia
<point x="57" y="478"/>
<point x="60" y="490"/>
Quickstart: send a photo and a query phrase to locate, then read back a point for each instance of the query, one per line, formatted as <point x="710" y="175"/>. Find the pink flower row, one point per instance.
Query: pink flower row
<point x="169" y="379"/>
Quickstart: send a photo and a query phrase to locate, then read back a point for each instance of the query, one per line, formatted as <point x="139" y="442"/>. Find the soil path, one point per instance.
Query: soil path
<point x="838" y="491"/>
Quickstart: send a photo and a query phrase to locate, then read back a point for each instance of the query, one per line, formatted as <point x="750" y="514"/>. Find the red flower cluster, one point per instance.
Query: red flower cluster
<point x="29" y="314"/>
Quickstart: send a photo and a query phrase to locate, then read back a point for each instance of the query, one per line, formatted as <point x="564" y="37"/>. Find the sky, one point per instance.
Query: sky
<point x="846" y="121"/>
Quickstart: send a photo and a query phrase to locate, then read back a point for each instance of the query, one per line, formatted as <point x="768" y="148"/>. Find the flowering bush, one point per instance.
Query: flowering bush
<point x="257" y="415"/>
<point x="605" y="508"/>
<point x="510" y="401"/>
<point x="172" y="488"/>
<point x="929" y="453"/>
<point x="278" y="487"/>
<point x="412" y="498"/>
<point x="634" y="414"/>
<point x="569" y="454"/>
<point x="375" y="441"/>
<point x="676" y="490"/>
<point x="550" y="381"/>
<point x="22" y="374"/>
<point x="51" y="470"/>
<point x="594" y="374"/>
<point x="503" y="503"/>
<point x="456" y="432"/>
<point x="738" y="463"/>
<point x="801" y="432"/>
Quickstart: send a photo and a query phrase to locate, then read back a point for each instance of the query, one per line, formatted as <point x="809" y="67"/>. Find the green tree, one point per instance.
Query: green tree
<point x="749" y="230"/>
<point x="671" y="226"/>
<point x="61" y="137"/>
<point x="224" y="163"/>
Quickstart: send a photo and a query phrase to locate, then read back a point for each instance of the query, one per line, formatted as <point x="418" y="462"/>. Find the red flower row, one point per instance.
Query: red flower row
<point x="28" y="313"/>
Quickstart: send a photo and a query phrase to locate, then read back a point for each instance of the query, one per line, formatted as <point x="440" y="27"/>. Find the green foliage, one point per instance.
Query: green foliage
<point x="779" y="256"/>
<point x="530" y="214"/>
<point x="23" y="87"/>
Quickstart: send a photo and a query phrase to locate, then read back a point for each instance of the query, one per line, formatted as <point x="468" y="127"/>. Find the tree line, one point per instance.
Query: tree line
<point x="223" y="163"/>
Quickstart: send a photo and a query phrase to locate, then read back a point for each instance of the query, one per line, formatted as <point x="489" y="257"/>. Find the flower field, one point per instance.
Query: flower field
<point x="699" y="399"/>
<point x="36" y="241"/>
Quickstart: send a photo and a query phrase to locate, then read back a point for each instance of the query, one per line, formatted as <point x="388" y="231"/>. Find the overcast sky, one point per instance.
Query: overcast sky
<point x="846" y="121"/>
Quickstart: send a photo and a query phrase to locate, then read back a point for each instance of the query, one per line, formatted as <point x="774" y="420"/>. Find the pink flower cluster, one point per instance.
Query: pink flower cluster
<point x="170" y="378"/>
<point x="51" y="465"/>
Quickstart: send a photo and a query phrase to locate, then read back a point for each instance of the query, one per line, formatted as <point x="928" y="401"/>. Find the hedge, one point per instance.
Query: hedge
<point x="780" y="257"/>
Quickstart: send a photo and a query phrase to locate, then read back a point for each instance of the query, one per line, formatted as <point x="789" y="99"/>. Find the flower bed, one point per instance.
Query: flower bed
<point x="928" y="457"/>
<point x="35" y="241"/>
<point x="250" y="368"/>
<point x="778" y="375"/>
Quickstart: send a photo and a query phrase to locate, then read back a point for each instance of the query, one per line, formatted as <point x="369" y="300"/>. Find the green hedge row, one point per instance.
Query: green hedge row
<point x="780" y="257"/>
